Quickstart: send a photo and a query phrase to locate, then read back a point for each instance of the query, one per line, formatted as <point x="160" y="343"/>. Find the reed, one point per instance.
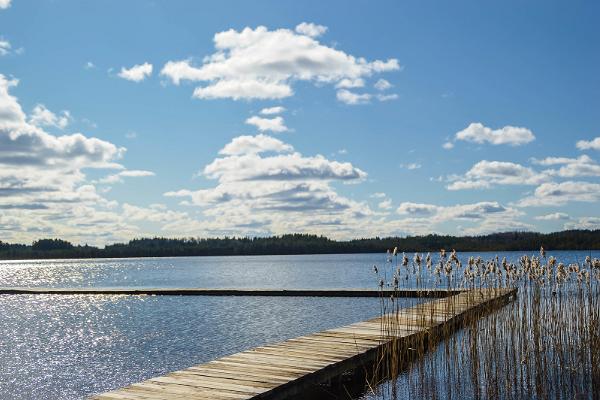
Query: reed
<point x="544" y="344"/>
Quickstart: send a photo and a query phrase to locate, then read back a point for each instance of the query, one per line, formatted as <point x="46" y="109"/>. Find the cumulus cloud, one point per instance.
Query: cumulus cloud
<point x="488" y="216"/>
<point x="272" y="110"/>
<point x="43" y="183"/>
<point x="386" y="97"/>
<point x="5" y="46"/>
<point x="310" y="29"/>
<point x="511" y="135"/>
<point x="137" y="73"/>
<point x="593" y="144"/>
<point x="294" y="166"/>
<point x="385" y="204"/>
<point x="591" y="223"/>
<point x="448" y="145"/>
<point x="411" y="166"/>
<point x="4" y="4"/>
<point x="255" y="145"/>
<point x="557" y="194"/>
<point x="350" y="83"/>
<point x="417" y="209"/>
<point x="153" y="213"/>
<point x="22" y="143"/>
<point x="557" y="216"/>
<point x="41" y="116"/>
<point x="382" y="84"/>
<point x="118" y="177"/>
<point x="485" y="174"/>
<point x="275" y="124"/>
<point x="570" y="167"/>
<point x="263" y="64"/>
<point x="377" y="195"/>
<point x="261" y="181"/>
<point x="348" y="97"/>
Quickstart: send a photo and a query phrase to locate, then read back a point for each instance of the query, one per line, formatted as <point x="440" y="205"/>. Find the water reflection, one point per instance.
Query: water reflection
<point x="65" y="347"/>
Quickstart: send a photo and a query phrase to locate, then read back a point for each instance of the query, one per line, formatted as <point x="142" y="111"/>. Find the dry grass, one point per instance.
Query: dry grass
<point x="544" y="344"/>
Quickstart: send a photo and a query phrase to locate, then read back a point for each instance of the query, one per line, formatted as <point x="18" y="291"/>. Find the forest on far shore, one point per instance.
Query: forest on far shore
<point x="302" y="244"/>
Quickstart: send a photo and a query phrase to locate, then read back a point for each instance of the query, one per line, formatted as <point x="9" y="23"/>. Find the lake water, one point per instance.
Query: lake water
<point x="67" y="347"/>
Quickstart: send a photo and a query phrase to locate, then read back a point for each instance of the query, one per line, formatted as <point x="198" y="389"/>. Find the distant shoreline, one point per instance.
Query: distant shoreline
<point x="300" y="244"/>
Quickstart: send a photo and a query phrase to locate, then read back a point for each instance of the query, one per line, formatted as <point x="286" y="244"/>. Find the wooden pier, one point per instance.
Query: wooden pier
<point x="232" y="292"/>
<point x="294" y="367"/>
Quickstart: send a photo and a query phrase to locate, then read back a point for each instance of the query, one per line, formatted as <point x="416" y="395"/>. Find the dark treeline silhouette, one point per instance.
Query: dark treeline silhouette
<point x="303" y="244"/>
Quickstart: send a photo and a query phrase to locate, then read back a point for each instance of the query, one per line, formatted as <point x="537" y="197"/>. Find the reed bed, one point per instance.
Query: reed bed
<point x="544" y="344"/>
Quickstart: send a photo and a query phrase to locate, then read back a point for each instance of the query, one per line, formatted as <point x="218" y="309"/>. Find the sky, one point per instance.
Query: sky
<point x="370" y="118"/>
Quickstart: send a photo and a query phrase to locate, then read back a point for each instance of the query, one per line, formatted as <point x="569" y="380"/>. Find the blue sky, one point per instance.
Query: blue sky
<point x="126" y="119"/>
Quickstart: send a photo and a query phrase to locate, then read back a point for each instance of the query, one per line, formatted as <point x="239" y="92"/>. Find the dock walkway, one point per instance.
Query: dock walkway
<point x="231" y="292"/>
<point x="293" y="367"/>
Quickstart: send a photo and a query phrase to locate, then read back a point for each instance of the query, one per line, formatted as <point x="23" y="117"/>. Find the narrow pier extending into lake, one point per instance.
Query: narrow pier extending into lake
<point x="435" y="293"/>
<point x="296" y="366"/>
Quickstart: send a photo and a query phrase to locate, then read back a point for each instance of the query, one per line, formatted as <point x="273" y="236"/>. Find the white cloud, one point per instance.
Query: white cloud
<point x="255" y="145"/>
<point x="560" y="160"/>
<point x="118" y="177"/>
<point x="348" y="97"/>
<point x="154" y="213"/>
<point x="411" y="166"/>
<point x="498" y="224"/>
<point x="272" y="110"/>
<point x="448" y="145"/>
<point x="385" y="204"/>
<point x="137" y="73"/>
<point x="22" y="143"/>
<point x="5" y="46"/>
<point x="570" y="167"/>
<point x="41" y="116"/>
<point x="4" y="4"/>
<point x="556" y="194"/>
<point x="591" y="223"/>
<point x="478" y="133"/>
<point x="294" y="166"/>
<point x="89" y="65"/>
<point x="377" y="195"/>
<point x="476" y="211"/>
<point x="263" y="64"/>
<point x="43" y="183"/>
<point x="243" y="89"/>
<point x="386" y="97"/>
<point x="593" y="144"/>
<point x="350" y="83"/>
<point x="276" y="124"/>
<point x="557" y="216"/>
<point x="416" y="209"/>
<point x="310" y="29"/>
<point x="278" y="192"/>
<point x="382" y="84"/>
<point x="485" y="173"/>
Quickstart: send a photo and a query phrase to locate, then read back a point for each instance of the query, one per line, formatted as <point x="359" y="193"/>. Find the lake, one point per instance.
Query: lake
<point x="67" y="347"/>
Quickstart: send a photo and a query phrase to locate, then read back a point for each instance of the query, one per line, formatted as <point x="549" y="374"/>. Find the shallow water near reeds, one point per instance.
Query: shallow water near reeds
<point x="67" y="347"/>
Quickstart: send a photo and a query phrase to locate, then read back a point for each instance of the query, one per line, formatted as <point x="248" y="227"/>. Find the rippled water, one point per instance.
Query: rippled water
<point x="65" y="347"/>
<point x="295" y="271"/>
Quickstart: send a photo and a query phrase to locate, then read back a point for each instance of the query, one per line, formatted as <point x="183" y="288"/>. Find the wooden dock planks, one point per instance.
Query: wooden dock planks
<point x="289" y="368"/>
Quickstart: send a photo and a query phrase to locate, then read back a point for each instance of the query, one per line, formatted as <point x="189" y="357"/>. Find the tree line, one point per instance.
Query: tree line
<point x="302" y="244"/>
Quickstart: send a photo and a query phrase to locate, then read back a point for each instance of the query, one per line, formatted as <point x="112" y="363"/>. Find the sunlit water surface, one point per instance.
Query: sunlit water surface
<point x="67" y="347"/>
